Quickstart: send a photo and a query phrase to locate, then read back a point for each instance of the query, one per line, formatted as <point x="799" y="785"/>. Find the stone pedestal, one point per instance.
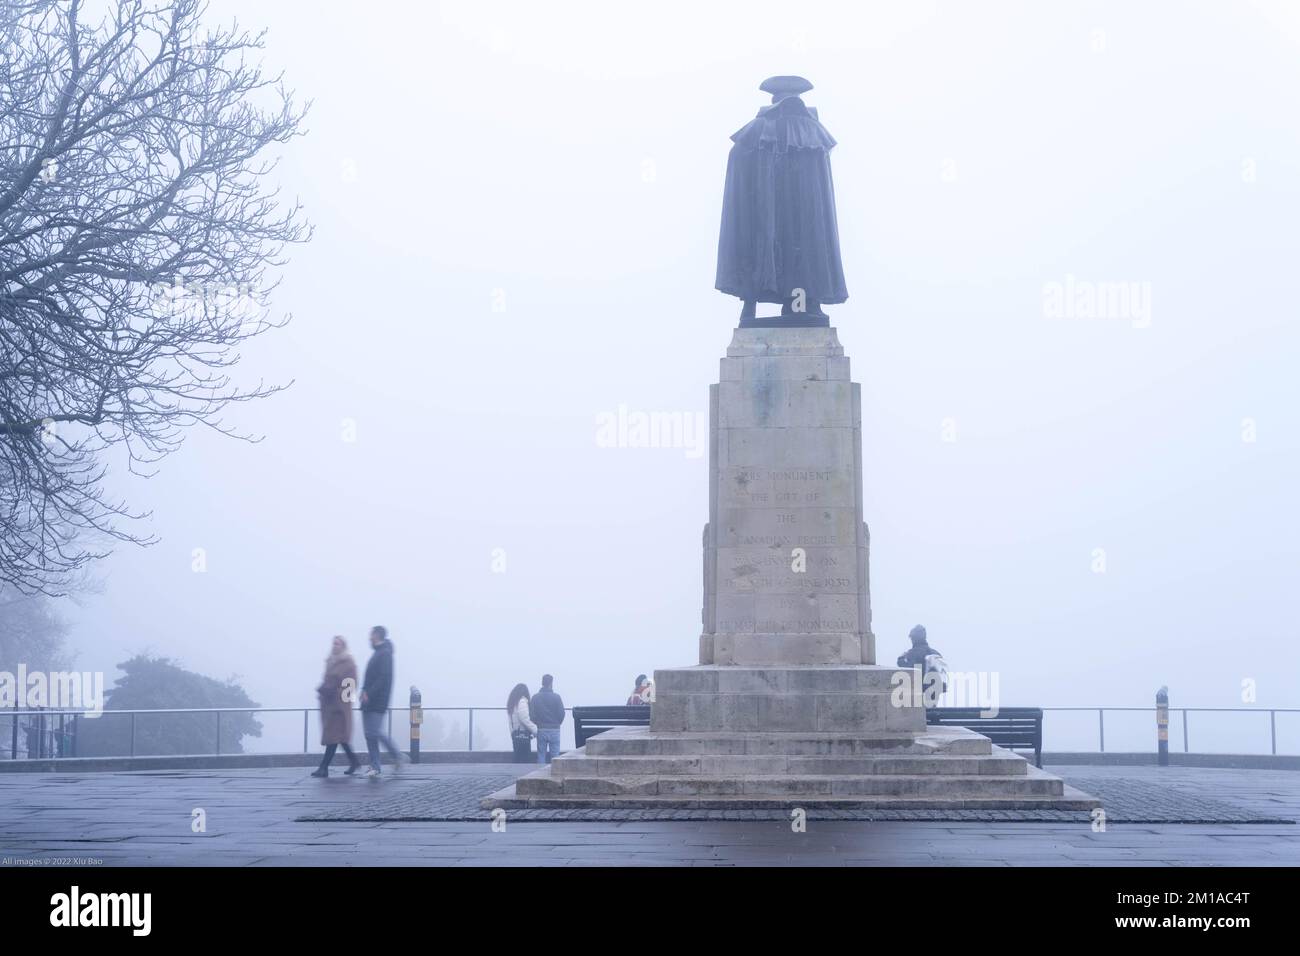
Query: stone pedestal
<point x="786" y="547"/>
<point x="787" y="706"/>
<point x="787" y="643"/>
<point x="832" y="700"/>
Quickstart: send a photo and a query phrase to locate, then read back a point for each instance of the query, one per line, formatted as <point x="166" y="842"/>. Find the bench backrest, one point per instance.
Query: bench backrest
<point x="589" y="721"/>
<point x="1015" y="728"/>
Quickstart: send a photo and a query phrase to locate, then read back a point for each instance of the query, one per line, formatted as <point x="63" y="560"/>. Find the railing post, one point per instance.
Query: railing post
<point x="1162" y="726"/>
<point x="305" y="713"/>
<point x="1101" y="728"/>
<point x="1272" y="729"/>
<point x="471" y="729"/>
<point x="218" y="733"/>
<point x="132" y="733"/>
<point x="1186" y="749"/>
<point x="417" y="718"/>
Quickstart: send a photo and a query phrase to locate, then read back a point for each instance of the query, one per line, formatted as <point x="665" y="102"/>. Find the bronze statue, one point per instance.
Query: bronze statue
<point x="779" y="241"/>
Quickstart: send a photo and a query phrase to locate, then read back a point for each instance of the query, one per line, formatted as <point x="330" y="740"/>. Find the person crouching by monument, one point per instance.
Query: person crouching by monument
<point x="337" y="691"/>
<point x="929" y="660"/>
<point x="547" y="709"/>
<point x="375" y="693"/>
<point x="522" y="729"/>
<point x="640" y="693"/>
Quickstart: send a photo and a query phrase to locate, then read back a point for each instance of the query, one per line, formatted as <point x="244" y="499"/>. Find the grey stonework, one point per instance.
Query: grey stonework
<point x="935" y="768"/>
<point x="787" y="706"/>
<point x="785" y="473"/>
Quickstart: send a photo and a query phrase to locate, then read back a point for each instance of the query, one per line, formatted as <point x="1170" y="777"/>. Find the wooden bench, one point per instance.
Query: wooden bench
<point x="589" y="721"/>
<point x="1015" y="728"/>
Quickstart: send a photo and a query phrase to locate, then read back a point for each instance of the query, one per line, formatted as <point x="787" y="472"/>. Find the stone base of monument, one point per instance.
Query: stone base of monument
<point x="832" y="699"/>
<point x="787" y="707"/>
<point x="786" y="737"/>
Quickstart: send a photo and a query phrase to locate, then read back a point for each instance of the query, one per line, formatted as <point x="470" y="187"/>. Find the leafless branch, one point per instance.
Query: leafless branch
<point x="137" y="238"/>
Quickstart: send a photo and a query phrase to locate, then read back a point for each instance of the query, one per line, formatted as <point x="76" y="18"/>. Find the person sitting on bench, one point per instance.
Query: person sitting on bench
<point x="641" y="695"/>
<point x="929" y="660"/>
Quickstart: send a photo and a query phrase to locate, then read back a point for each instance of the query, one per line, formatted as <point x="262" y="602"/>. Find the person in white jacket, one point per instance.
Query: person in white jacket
<point x="522" y="728"/>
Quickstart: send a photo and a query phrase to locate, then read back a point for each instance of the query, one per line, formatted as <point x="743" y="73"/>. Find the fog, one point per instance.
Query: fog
<point x="516" y="212"/>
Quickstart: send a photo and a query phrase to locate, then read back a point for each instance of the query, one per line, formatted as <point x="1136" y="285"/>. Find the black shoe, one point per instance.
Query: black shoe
<point x="321" y="772"/>
<point x="356" y="765"/>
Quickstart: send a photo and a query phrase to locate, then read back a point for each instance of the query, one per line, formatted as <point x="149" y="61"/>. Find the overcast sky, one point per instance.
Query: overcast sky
<point x="517" y="215"/>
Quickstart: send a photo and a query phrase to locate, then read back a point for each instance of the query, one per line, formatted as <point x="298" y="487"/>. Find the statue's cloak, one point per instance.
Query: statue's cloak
<point x="779" y="231"/>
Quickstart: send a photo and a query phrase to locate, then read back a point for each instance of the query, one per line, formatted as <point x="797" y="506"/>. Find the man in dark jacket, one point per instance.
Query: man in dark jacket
<point x="547" y="710"/>
<point x="376" y="690"/>
<point x="916" y="657"/>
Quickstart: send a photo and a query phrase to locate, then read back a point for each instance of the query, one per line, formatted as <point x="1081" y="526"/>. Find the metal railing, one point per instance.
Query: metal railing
<point x="44" y="736"/>
<point x="54" y="733"/>
<point x="1101" y="718"/>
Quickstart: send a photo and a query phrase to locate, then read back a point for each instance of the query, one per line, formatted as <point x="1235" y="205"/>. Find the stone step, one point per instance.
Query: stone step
<point x="576" y="763"/>
<point x="510" y="798"/>
<point x="953" y="787"/>
<point x="641" y="741"/>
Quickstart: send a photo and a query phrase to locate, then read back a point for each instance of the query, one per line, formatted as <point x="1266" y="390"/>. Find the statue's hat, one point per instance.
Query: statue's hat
<point x="782" y="86"/>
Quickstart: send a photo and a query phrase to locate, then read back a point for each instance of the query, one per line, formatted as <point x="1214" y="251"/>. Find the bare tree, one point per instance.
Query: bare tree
<point x="137" y="228"/>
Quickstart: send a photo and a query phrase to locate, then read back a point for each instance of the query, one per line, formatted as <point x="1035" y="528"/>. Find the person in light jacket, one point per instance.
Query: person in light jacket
<point x="640" y="692"/>
<point x="337" y="691"/>
<point x="522" y="729"/>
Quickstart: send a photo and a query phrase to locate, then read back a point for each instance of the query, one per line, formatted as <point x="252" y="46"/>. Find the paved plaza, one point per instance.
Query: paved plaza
<point x="260" y="817"/>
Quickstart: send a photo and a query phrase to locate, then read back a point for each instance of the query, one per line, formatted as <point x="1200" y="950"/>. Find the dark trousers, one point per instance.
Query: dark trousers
<point x="523" y="749"/>
<point x="331" y="749"/>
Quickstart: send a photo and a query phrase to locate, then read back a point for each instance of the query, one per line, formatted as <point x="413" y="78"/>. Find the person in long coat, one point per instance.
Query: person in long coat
<point x="522" y="728"/>
<point x="337" y="692"/>
<point x="780" y="240"/>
